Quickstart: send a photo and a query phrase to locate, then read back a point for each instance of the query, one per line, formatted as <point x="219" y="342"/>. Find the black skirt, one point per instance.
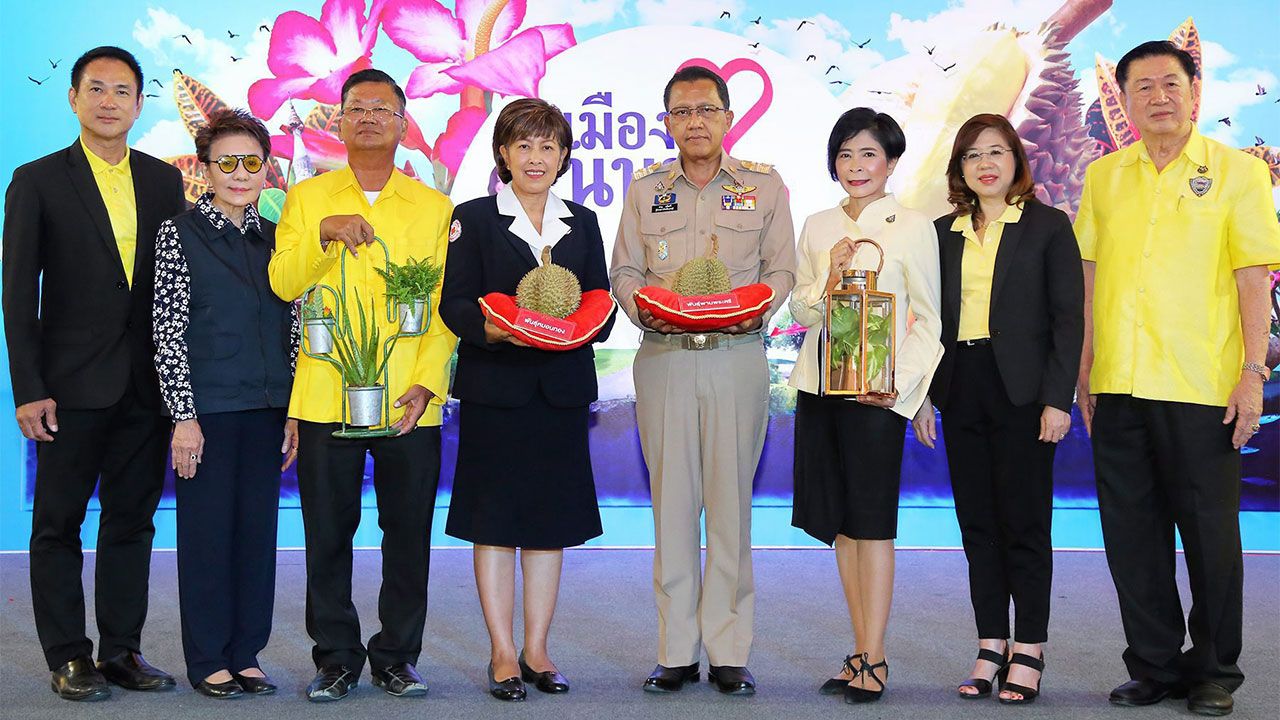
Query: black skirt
<point x="523" y="477"/>
<point x="848" y="468"/>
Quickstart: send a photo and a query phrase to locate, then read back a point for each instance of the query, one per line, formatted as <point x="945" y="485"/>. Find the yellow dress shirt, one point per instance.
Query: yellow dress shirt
<point x="413" y="220"/>
<point x="115" y="184"/>
<point x="977" y="268"/>
<point x="1166" y="313"/>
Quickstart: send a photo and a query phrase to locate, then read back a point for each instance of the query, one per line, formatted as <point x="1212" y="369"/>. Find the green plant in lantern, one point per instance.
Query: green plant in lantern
<point x="846" y="339"/>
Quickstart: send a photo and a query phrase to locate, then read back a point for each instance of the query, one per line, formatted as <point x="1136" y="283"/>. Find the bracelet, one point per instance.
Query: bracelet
<point x="1259" y="368"/>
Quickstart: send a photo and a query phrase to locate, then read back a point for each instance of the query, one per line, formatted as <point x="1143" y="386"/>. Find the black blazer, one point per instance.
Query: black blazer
<point x="1037" y="308"/>
<point x="487" y="257"/>
<point x="75" y="329"/>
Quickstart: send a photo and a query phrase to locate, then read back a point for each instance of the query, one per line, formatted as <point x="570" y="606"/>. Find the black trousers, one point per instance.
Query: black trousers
<point x="227" y="516"/>
<point x="121" y="450"/>
<point x="1161" y="465"/>
<point x="330" y="474"/>
<point x="1002" y="480"/>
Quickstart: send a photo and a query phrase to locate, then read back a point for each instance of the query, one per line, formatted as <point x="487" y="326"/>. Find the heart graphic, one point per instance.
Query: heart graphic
<point x="755" y="112"/>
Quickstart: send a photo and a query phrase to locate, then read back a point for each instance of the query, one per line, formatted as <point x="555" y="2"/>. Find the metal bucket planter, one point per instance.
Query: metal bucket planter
<point x="320" y="335"/>
<point x="365" y="404"/>
<point x="411" y="316"/>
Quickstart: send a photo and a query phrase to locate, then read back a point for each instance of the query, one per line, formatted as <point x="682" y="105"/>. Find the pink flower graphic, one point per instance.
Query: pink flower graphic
<point x="474" y="48"/>
<point x="311" y="58"/>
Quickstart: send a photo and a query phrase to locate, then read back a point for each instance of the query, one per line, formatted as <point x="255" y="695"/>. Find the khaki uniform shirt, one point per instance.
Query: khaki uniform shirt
<point x="667" y="221"/>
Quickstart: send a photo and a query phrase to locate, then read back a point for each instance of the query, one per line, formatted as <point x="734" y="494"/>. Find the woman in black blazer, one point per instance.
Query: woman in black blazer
<point x="523" y="477"/>
<point x="1012" y="329"/>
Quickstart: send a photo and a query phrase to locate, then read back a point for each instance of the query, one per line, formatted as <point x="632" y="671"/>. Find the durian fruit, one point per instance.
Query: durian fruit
<point x="550" y="289"/>
<point x="703" y="275"/>
<point x="1025" y="76"/>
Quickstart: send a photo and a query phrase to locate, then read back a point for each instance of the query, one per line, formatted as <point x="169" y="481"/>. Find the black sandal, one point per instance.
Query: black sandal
<point x="836" y="685"/>
<point x="1029" y="695"/>
<point x="982" y="685"/>
<point x="862" y="695"/>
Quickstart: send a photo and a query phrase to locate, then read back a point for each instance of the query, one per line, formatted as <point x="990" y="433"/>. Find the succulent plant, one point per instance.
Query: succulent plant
<point x="549" y="289"/>
<point x="703" y="275"/>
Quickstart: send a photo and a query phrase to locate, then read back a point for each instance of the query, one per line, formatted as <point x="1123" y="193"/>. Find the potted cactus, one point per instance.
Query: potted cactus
<point x="409" y="285"/>
<point x="363" y="363"/>
<point x="317" y="319"/>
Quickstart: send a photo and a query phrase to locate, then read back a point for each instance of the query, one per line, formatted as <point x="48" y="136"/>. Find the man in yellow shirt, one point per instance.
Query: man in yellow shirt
<point x="1176" y="233"/>
<point x="322" y="218"/>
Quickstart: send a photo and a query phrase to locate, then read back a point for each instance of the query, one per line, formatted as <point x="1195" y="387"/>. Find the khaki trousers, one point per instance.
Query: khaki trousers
<point x="702" y="416"/>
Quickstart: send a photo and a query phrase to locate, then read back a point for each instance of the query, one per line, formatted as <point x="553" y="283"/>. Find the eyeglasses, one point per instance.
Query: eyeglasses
<point x="705" y="112"/>
<point x="994" y="155"/>
<point x="380" y="114"/>
<point x="228" y="163"/>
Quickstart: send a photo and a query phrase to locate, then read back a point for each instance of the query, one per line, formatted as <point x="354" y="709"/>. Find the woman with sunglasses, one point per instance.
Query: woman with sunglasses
<point x="225" y="348"/>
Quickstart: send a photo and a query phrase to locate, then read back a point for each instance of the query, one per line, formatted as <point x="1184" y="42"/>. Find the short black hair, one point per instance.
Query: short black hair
<point x="105" y="51"/>
<point x="372" y="75"/>
<point x="1155" y="48"/>
<point x="881" y="126"/>
<point x="694" y="73"/>
<point x="228" y="122"/>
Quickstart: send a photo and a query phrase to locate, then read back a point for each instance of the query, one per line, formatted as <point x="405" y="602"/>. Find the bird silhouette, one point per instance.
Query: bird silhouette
<point x="930" y="49"/>
<point x="235" y="59"/>
<point x="184" y="37"/>
<point x="158" y="83"/>
<point x="811" y="57"/>
<point x="1225" y="121"/>
<point x="1258" y="142"/>
<point x="838" y="82"/>
<point x="151" y="95"/>
<point x="833" y="67"/>
<point x="725" y="14"/>
<point x="1261" y="91"/>
<point x="232" y="35"/>
<point x="864" y="44"/>
<point x="54" y="63"/>
<point x="803" y="23"/>
<point x="944" y="69"/>
<point x="38" y="82"/>
<point x="881" y="92"/>
<point x="756" y="21"/>
<point x="754" y="45"/>
<point x="264" y="27"/>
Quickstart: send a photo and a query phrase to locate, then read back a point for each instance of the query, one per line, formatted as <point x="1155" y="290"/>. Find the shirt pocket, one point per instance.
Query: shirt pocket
<point x="738" y="234"/>
<point x="1202" y="218"/>
<point x="661" y="234"/>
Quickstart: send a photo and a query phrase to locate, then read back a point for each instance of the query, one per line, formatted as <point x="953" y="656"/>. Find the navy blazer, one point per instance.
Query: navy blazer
<point x="487" y="257"/>
<point x="1037" y="308"/>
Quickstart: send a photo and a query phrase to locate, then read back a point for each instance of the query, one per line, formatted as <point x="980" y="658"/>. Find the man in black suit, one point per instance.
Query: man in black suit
<point x="79" y="257"/>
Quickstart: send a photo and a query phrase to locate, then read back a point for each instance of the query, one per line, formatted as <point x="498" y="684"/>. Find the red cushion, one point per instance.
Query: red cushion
<point x="703" y="313"/>
<point x="545" y="332"/>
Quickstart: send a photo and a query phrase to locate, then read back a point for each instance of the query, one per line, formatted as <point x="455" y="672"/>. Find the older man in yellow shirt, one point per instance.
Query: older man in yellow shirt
<point x="1176" y="233"/>
<point x="323" y="217"/>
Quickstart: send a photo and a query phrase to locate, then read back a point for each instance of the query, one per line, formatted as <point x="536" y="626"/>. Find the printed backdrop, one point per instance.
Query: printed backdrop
<point x="792" y="68"/>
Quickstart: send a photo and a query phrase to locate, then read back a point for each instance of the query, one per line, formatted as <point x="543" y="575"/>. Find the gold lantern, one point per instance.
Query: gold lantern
<point x="858" y="334"/>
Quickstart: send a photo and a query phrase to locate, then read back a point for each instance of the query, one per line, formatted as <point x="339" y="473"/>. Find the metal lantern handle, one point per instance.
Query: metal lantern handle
<point x="874" y="244"/>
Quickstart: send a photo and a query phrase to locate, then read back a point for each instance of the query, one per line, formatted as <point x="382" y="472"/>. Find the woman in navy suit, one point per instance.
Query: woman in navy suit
<point x="1012" y="329"/>
<point x="523" y="477"/>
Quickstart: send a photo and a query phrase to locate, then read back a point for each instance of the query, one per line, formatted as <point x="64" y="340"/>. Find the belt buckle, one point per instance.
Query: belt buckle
<point x="700" y="341"/>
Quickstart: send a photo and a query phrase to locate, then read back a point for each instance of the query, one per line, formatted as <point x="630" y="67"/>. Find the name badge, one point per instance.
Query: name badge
<point x="664" y="202"/>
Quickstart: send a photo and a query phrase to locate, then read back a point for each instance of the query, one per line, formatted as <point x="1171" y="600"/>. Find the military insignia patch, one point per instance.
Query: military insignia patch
<point x="738" y="202"/>
<point x="662" y="250"/>
<point x="1200" y="185"/>
<point x="455" y="230"/>
<point x="664" y="202"/>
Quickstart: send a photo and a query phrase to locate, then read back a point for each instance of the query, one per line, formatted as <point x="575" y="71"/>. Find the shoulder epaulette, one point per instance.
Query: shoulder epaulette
<point x="756" y="167"/>
<point x="649" y="170"/>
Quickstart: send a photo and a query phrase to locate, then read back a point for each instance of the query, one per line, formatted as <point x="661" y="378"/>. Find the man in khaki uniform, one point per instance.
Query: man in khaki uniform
<point x="702" y="400"/>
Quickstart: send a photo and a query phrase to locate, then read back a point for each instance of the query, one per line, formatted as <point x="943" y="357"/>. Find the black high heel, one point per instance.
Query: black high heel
<point x="862" y="695"/>
<point x="1029" y="695"/>
<point x="836" y="685"/>
<point x="982" y="685"/>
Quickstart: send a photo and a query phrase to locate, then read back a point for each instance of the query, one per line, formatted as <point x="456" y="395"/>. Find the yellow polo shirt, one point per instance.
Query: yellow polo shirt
<point x="977" y="267"/>
<point x="413" y="220"/>
<point x="115" y="184"/>
<point x="1166" y="313"/>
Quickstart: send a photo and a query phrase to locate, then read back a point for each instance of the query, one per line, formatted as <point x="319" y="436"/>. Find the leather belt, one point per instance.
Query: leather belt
<point x="703" y="341"/>
<point x="980" y="342"/>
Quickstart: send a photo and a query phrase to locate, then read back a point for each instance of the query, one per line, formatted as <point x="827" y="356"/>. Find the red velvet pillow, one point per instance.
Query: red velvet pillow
<point x="549" y="333"/>
<point x="703" y="313"/>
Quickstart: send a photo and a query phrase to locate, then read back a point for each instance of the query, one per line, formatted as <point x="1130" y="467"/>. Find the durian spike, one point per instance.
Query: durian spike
<point x="546" y="256"/>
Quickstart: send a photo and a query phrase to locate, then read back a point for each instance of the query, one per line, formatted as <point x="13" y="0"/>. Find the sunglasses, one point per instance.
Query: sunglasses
<point x="228" y="163"/>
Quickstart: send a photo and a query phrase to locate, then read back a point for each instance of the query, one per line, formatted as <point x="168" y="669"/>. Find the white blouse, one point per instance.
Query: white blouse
<point x="911" y="272"/>
<point x="553" y="228"/>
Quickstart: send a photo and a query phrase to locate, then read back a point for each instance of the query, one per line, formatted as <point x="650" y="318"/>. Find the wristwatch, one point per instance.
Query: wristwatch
<point x="1259" y="368"/>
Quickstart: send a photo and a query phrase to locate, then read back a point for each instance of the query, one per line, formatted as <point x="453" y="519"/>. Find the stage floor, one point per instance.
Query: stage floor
<point x="603" y="640"/>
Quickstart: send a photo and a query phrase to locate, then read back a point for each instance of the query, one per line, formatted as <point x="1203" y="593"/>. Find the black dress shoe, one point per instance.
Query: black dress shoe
<point x="1144" y="691"/>
<point x="670" y="679"/>
<point x="130" y="671"/>
<point x="331" y="683"/>
<point x="549" y="681"/>
<point x="731" y="680"/>
<point x="400" y="680"/>
<point x="1208" y="698"/>
<point x="254" y="685"/>
<point x="220" y="691"/>
<point x="78" y="679"/>
<point x="836" y="685"/>
<point x="511" y="689"/>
